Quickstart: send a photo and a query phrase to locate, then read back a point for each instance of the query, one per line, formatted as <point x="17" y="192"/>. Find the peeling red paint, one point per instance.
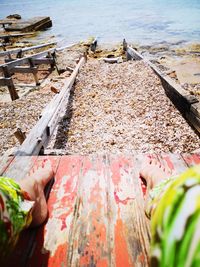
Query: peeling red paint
<point x="118" y="200"/>
<point x="169" y="162"/>
<point x="122" y="257"/>
<point x="60" y="257"/>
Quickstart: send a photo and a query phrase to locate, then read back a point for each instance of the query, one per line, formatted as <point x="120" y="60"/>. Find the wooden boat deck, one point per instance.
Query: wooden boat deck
<point x="96" y="211"/>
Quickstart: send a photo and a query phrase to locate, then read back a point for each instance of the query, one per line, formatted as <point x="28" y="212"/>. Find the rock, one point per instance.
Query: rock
<point x="14" y="16"/>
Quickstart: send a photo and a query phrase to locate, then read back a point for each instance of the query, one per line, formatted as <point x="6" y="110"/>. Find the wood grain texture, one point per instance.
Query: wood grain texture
<point x="96" y="211"/>
<point x="4" y="163"/>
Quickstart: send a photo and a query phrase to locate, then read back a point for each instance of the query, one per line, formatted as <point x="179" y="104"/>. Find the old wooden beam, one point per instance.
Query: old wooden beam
<point x="21" y="136"/>
<point x="25" y="60"/>
<point x="25" y="49"/>
<point x="11" y="87"/>
<point x="42" y="131"/>
<point x="6" y="81"/>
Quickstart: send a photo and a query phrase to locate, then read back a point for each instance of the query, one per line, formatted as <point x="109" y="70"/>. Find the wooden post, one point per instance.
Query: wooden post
<point x="21" y="136"/>
<point x="20" y="54"/>
<point x="125" y="45"/>
<point x="11" y="87"/>
<point x="32" y="65"/>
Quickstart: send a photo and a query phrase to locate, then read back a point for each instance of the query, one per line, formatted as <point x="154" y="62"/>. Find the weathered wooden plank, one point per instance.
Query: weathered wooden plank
<point x="25" y="60"/>
<point x="11" y="87"/>
<point x="28" y="241"/>
<point x="14" y="35"/>
<point x="4" y="163"/>
<point x="20" y="167"/>
<point x="191" y="159"/>
<point x="133" y="54"/>
<point x="194" y="120"/>
<point x="40" y="134"/>
<point x="187" y="104"/>
<point x="129" y="230"/>
<point x="25" y="49"/>
<point x="52" y="243"/>
<point x="24" y="69"/>
<point x="41" y="61"/>
<point x="89" y="238"/>
<point x="6" y="81"/>
<point x="174" y="162"/>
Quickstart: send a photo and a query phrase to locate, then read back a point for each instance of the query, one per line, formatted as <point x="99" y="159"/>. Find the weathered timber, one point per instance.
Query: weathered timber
<point x="10" y="84"/>
<point x="40" y="134"/>
<point x="14" y="66"/>
<point x="96" y="211"/>
<point x="25" y="49"/>
<point x="6" y="81"/>
<point x="34" y="24"/>
<point x="185" y="102"/>
<point x="21" y="136"/>
<point x="25" y="60"/>
<point x="3" y="23"/>
<point x="7" y="37"/>
<point x="93" y="45"/>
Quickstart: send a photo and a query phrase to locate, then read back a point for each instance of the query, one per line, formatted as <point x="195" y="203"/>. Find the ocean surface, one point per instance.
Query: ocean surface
<point x="141" y="21"/>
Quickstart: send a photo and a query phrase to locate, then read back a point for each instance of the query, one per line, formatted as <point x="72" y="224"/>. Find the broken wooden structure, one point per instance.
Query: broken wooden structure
<point x="6" y="37"/>
<point x="41" y="133"/>
<point x="96" y="211"/>
<point x="186" y="103"/>
<point x="28" y="64"/>
<point x="19" y="52"/>
<point x="33" y="24"/>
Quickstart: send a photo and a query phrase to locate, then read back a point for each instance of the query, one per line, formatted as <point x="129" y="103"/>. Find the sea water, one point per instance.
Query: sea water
<point x="142" y="21"/>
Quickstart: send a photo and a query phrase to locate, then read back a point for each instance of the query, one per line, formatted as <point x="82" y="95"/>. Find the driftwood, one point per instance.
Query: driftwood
<point x="39" y="136"/>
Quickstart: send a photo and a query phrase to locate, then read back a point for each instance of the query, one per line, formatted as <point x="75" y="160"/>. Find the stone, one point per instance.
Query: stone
<point x="14" y="16"/>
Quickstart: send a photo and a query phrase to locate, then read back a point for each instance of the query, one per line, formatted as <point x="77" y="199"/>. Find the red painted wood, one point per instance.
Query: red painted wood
<point x="4" y="163"/>
<point x="127" y="222"/>
<point x="96" y="212"/>
<point x="54" y="237"/>
<point x="191" y="159"/>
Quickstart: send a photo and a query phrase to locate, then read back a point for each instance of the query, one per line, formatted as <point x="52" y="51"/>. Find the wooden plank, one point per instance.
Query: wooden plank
<point x="129" y="230"/>
<point x="40" y="134"/>
<point x="89" y="237"/>
<point x="6" y="81"/>
<point x="20" y="167"/>
<point x="11" y="87"/>
<point x="133" y="54"/>
<point x="25" y="49"/>
<point x="25" y="60"/>
<point x="52" y="243"/>
<point x="191" y="159"/>
<point x="24" y="69"/>
<point x="194" y="120"/>
<point x="4" y="163"/>
<point x="41" y="61"/>
<point x="27" y="242"/>
<point x="187" y="104"/>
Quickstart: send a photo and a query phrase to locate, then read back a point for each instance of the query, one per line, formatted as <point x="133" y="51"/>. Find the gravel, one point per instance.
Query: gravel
<point x="122" y="108"/>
